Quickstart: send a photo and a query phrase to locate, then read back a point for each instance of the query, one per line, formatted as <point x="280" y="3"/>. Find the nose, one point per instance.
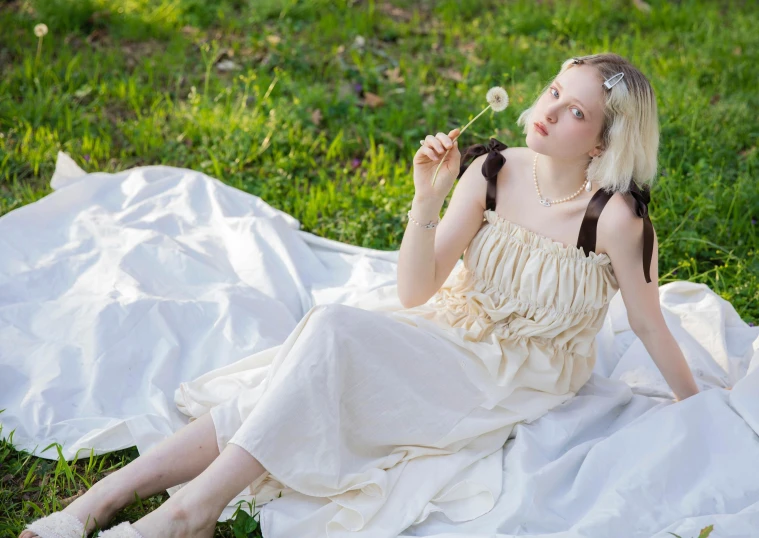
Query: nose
<point x="551" y="114"/>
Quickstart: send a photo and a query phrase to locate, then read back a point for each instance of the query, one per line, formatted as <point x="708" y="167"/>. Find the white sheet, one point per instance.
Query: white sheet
<point x="117" y="288"/>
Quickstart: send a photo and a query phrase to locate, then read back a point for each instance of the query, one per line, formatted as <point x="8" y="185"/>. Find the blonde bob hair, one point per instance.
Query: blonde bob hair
<point x="630" y="132"/>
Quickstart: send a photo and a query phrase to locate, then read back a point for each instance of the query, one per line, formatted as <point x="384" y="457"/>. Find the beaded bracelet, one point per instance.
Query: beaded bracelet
<point x="428" y="225"/>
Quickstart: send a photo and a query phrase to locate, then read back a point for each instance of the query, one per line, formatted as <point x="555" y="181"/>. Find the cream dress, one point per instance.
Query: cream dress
<point x="370" y="419"/>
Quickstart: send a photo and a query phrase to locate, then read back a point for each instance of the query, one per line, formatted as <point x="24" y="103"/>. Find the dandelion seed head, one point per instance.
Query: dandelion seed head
<point x="498" y="98"/>
<point x="40" y="30"/>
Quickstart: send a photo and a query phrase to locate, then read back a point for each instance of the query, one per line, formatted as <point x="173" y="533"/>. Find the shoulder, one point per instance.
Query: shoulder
<point x="516" y="160"/>
<point x="517" y="154"/>
<point x="618" y="225"/>
<point x="474" y="175"/>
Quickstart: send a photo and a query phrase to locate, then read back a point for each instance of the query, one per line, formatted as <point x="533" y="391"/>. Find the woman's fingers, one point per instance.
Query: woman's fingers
<point x="435" y="143"/>
<point x="445" y="140"/>
<point x="429" y="152"/>
<point x="436" y="146"/>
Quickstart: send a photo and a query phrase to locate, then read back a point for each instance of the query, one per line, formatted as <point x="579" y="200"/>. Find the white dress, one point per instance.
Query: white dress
<point x="369" y="416"/>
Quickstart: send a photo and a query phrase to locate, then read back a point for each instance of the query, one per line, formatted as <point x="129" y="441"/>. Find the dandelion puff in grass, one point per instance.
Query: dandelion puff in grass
<point x="497" y="99"/>
<point x="40" y="30"/>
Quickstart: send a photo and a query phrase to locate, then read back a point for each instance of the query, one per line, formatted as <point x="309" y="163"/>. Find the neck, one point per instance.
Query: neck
<point x="559" y="178"/>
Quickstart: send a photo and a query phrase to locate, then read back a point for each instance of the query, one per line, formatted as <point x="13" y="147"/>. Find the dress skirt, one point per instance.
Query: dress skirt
<point x="370" y="416"/>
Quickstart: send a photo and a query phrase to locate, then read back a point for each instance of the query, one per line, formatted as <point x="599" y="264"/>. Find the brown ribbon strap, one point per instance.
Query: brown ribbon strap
<point x="493" y="163"/>
<point x="587" y="237"/>
<point x="642" y="198"/>
<point x="589" y="227"/>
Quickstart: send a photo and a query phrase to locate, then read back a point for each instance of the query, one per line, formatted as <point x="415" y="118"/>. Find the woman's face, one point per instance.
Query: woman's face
<point x="572" y="111"/>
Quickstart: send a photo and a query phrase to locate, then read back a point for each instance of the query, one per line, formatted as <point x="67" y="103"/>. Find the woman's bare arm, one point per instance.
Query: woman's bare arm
<point x="622" y="233"/>
<point x="427" y="256"/>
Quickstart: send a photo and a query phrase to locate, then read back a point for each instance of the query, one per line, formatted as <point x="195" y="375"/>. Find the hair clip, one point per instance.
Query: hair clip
<point x="578" y="61"/>
<point x="610" y="82"/>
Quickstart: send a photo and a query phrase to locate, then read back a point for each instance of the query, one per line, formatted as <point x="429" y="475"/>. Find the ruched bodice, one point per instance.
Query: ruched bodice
<point x="518" y="283"/>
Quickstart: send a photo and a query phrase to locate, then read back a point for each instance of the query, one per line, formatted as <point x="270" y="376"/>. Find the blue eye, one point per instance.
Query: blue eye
<point x="581" y="116"/>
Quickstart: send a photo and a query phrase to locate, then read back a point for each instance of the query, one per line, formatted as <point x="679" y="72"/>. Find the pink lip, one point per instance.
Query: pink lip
<point x="542" y="130"/>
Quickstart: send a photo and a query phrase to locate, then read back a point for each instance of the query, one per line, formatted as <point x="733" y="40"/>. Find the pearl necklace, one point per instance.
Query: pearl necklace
<point x="547" y="202"/>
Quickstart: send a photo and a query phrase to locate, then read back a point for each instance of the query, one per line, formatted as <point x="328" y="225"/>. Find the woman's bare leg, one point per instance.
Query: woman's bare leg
<point x="174" y="461"/>
<point x="194" y="509"/>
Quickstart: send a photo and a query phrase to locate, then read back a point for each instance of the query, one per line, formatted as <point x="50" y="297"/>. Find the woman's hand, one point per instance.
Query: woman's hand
<point x="426" y="161"/>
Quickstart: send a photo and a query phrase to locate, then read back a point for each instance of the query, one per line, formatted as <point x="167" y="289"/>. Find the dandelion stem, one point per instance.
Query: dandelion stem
<point x="39" y="50"/>
<point x="434" y="177"/>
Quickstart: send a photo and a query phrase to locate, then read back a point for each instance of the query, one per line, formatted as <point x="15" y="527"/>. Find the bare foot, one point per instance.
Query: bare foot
<point x="98" y="503"/>
<point x="179" y="517"/>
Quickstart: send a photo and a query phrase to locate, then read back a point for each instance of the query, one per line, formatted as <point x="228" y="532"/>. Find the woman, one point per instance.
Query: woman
<point x="378" y="411"/>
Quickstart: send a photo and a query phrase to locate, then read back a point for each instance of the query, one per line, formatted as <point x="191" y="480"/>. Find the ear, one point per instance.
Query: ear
<point x="596" y="151"/>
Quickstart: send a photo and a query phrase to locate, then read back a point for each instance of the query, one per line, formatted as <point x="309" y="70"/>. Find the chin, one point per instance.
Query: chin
<point x="534" y="142"/>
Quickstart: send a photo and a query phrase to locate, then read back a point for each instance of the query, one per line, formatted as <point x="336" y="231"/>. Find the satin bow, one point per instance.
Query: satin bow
<point x="642" y="198"/>
<point x="493" y="162"/>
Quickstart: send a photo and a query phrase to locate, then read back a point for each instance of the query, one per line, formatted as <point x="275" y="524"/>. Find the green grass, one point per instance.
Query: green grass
<point x="121" y="84"/>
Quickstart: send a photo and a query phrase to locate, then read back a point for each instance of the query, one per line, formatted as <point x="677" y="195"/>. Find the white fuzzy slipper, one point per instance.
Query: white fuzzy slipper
<point x="57" y="525"/>
<point x="122" y="530"/>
